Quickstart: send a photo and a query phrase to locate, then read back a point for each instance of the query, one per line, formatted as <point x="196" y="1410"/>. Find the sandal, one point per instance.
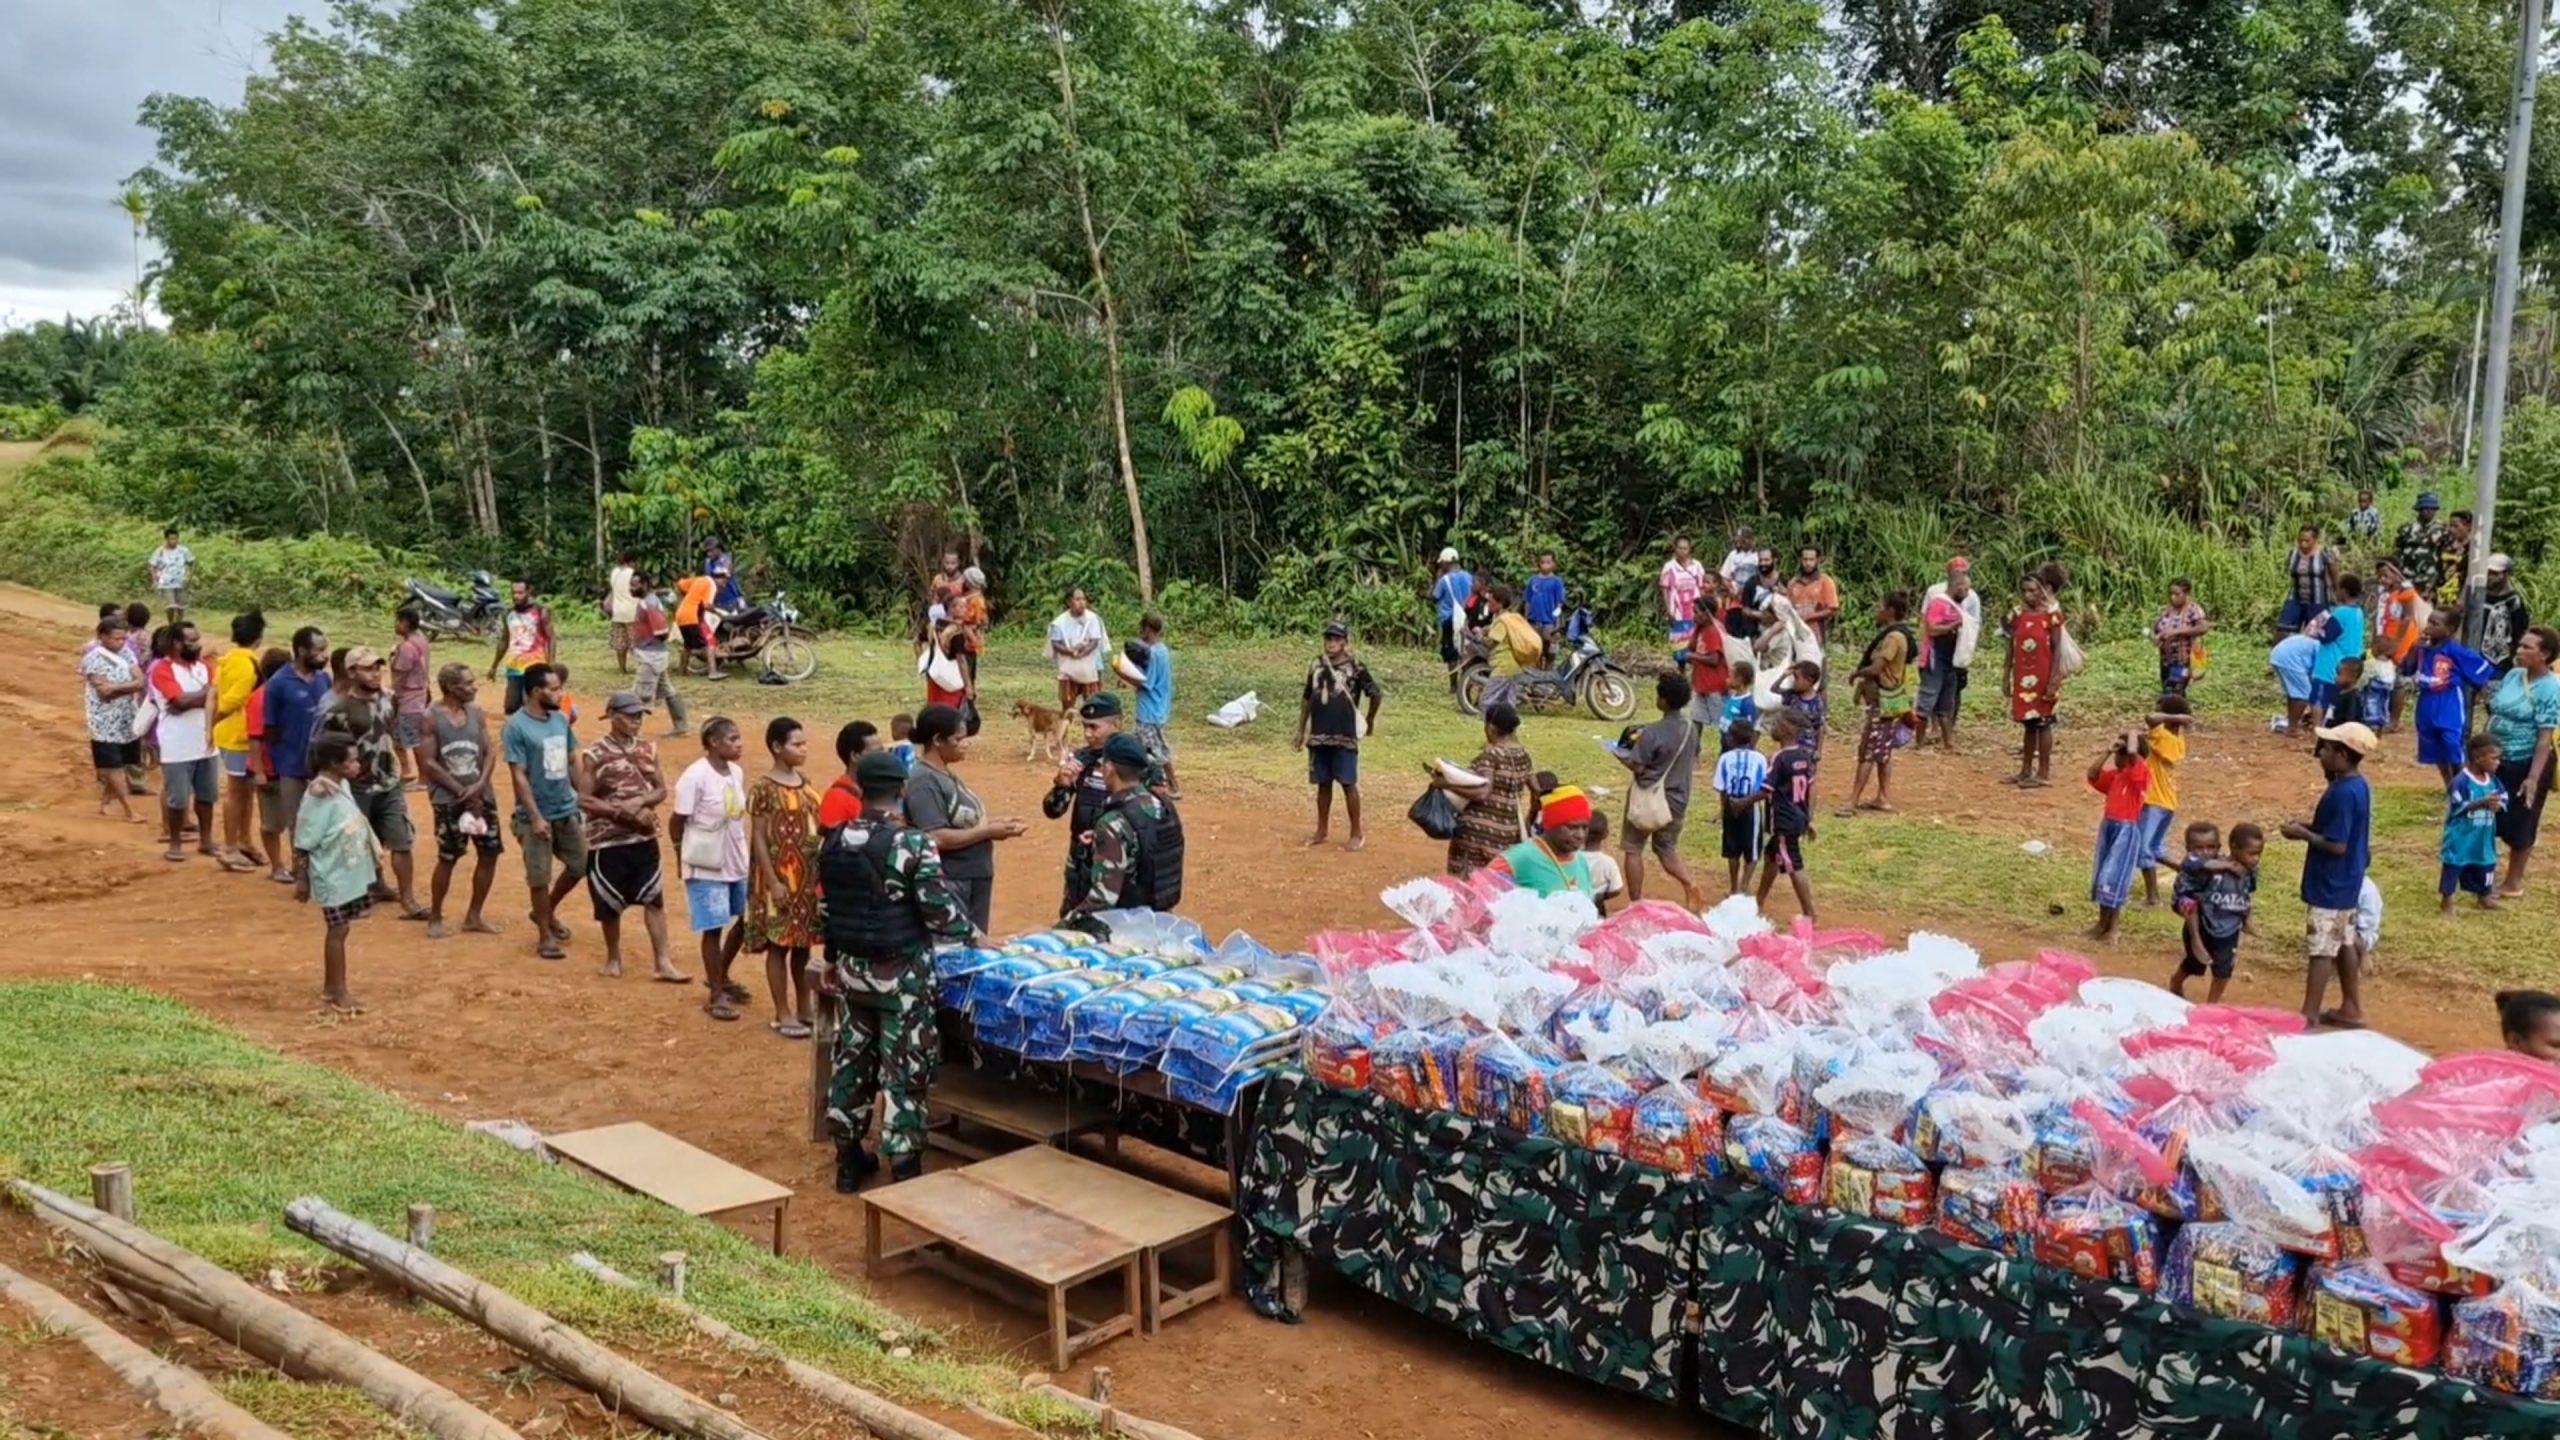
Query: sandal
<point x="720" y="1008"/>
<point x="790" y="1029"/>
<point x="550" y="949"/>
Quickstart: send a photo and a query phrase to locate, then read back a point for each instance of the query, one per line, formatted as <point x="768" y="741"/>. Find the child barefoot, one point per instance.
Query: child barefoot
<point x="2470" y="850"/>
<point x="334" y="843"/>
<point x="2214" y="893"/>
<point x="2123" y="775"/>
<point x="1742" y="775"/>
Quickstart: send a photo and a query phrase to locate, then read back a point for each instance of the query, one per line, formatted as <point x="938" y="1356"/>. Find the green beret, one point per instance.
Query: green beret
<point x="1101" y="706"/>
<point x="878" y="770"/>
<point x="1125" y="749"/>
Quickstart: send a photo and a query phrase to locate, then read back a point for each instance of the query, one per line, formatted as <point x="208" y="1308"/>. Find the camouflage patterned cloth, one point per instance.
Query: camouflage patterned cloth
<point x="1812" y="1325"/>
<point x="1112" y="857"/>
<point x="885" y="1054"/>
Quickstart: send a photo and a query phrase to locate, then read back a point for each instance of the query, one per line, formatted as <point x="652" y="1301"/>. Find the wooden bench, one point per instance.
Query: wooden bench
<point x="1139" y="1211"/>
<point x="963" y="1096"/>
<point x="647" y="1160"/>
<point x="961" y="1215"/>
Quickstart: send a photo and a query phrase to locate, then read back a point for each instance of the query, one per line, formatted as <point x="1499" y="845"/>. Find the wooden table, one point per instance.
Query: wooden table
<point x="964" y="1096"/>
<point x="961" y="1215"/>
<point x="1139" y="1211"/>
<point x="646" y="1159"/>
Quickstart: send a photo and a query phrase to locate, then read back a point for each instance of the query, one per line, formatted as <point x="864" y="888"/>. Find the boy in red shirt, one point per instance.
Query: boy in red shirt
<point x="2123" y="774"/>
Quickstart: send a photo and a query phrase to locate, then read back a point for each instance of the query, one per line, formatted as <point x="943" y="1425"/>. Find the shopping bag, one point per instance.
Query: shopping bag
<point x="1436" y="813"/>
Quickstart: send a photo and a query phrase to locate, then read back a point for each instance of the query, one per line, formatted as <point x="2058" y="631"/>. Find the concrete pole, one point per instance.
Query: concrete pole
<point x="2502" y="318"/>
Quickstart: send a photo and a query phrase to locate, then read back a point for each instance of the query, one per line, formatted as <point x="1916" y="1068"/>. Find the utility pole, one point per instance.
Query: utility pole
<point x="2502" y="319"/>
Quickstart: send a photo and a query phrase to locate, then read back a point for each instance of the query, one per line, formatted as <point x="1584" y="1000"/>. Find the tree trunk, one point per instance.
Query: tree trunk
<point x="623" y="1386"/>
<point x="1107" y="303"/>
<point x="595" y="479"/>
<point x="173" y="1390"/>
<point x="207" y="1296"/>
<point x="426" y="498"/>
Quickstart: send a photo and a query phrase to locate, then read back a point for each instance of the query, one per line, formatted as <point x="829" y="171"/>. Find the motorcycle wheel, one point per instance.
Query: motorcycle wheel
<point x="1610" y="695"/>
<point x="1471" y="683"/>
<point x="792" y="656"/>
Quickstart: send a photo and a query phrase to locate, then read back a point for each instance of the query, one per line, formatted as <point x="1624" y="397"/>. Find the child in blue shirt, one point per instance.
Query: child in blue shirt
<point x="2472" y="803"/>
<point x="1739" y="708"/>
<point x="1542" y="599"/>
<point x="2445" y="670"/>
<point x="2341" y="629"/>
<point x="902" y="729"/>
<point x="1742" y="774"/>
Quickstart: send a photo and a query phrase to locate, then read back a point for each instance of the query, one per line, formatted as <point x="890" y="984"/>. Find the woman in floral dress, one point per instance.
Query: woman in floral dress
<point x="1491" y="821"/>
<point x="782" y="886"/>
<point x="2035" y="674"/>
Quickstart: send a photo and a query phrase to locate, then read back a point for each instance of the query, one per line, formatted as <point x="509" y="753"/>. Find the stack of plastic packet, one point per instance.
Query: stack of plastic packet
<point x="1872" y="1175"/>
<point x="1508" y="1081"/>
<point x="1211" y="1060"/>
<point x="2357" y="1307"/>
<point x="992" y="991"/>
<point x="2096" y="1234"/>
<point x="1099" y="1025"/>
<point x="1669" y="1125"/>
<point x="2228" y="1270"/>
<point x="2509" y="1339"/>
<point x="1043" y="1003"/>
<point x="1985" y="1197"/>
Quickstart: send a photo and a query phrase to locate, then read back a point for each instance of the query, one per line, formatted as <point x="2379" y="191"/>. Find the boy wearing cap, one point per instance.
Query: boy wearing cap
<point x="1451" y="588"/>
<point x="1330" y="727"/>
<point x="2339" y="840"/>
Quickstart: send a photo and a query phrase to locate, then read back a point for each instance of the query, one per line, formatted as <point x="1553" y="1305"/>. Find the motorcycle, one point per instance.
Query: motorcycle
<point x="1588" y="677"/>
<point x="445" y="615"/>
<point x="769" y="633"/>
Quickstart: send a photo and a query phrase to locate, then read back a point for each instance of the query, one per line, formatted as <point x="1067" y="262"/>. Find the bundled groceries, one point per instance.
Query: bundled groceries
<point x="2394" y="1207"/>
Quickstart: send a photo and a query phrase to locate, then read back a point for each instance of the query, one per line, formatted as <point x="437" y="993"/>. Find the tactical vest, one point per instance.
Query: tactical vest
<point x="1156" y="880"/>
<point x="853" y="871"/>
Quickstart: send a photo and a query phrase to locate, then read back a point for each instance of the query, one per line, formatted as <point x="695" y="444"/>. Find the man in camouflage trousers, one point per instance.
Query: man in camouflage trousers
<point x="1082" y="785"/>
<point x="1137" y="839"/>
<point x="886" y="908"/>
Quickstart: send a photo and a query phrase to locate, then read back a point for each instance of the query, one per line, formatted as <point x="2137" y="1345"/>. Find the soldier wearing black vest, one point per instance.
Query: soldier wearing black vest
<point x="886" y="908"/>
<point x="1137" y="842"/>
<point x="1082" y="787"/>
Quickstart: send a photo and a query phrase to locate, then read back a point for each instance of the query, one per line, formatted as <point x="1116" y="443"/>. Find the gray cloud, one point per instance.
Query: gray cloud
<point x="72" y="81"/>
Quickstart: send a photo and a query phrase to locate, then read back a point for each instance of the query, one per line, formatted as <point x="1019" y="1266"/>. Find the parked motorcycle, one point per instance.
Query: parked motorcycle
<point x="445" y="615"/>
<point x="768" y="633"/>
<point x="1588" y="677"/>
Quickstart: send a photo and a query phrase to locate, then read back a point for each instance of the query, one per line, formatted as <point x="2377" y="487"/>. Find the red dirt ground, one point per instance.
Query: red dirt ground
<point x="476" y="1027"/>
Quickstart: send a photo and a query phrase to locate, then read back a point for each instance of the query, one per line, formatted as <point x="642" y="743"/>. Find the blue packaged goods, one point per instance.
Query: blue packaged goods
<point x="2360" y="1309"/>
<point x="2228" y="1271"/>
<point x="1153" y="1027"/>
<point x="1503" y="1081"/>
<point x="1055" y="942"/>
<point x="1304" y="1003"/>
<point x="2508" y="1340"/>
<point x="1042" y="1007"/>
<point x="1591" y="1106"/>
<point x="992" y="989"/>
<point x="1220" y="1096"/>
<point x="1874" y="1178"/>
<point x="1223" y="1039"/>
<point x="1775" y="1155"/>
<point x="1097" y="1021"/>
<point x="1994" y="1209"/>
<point x="2063" y="1155"/>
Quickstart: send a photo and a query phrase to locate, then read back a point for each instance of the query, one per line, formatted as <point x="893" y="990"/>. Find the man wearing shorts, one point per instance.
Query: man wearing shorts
<point x="650" y="628"/>
<point x="182" y="683"/>
<point x="169" y="566"/>
<point x="524" y="641"/>
<point x="622" y="606"/>
<point x="1663" y="753"/>
<point x="621" y="788"/>
<point x="542" y="772"/>
<point x="410" y="667"/>
<point x="295" y="698"/>
<point x="2337" y="848"/>
<point x="1330" y="727"/>
<point x="365" y="716"/>
<point x="693" y="621"/>
<point x="461" y="777"/>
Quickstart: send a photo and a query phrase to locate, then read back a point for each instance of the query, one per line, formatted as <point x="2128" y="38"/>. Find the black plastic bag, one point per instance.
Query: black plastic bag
<point x="969" y="717"/>
<point x="1436" y="813"/>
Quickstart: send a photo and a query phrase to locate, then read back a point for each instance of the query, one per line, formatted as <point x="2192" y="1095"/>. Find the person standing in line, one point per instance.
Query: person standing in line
<point x="622" y="607"/>
<point x="182" y="683"/>
<point x="2447" y="675"/>
<point x="541" y="751"/>
<point x="2170" y="716"/>
<point x="365" y="716"/>
<point x="1542" y="602"/>
<point x="2364" y="523"/>
<point x="333" y="862"/>
<point x="2339" y="838"/>
<point x="620" y="787"/>
<point x="235" y="679"/>
<point x="886" y="907"/>
<point x="2174" y="633"/>
<point x="1790" y="790"/>
<point x="1330" y="728"/>
<point x="1884" y="685"/>
<point x="1494" y="814"/>
<point x="2310" y="570"/>
<point x="650" y="679"/>
<point x="1077" y="641"/>
<point x="1664" y="753"/>
<point x="1155" y="700"/>
<point x="169" y="567"/>
<point x="1743" y="559"/>
<point x="2504" y="617"/>
<point x="524" y="641"/>
<point x="2469" y="854"/>
<point x="946" y="809"/>
<point x="2524" y="712"/>
<point x="2341" y="632"/>
<point x="1941" y="685"/>
<point x="2419" y="547"/>
<point x="1683" y="580"/>
<point x="461" y="796"/>
<point x="2122" y="775"/>
<point x="1137" y="843"/>
<point x="137" y="648"/>
<point x="2399" y="622"/>
<point x="411" y="664"/>
<point x="782" y="875"/>
<point x="1814" y="593"/>
<point x="710" y="824"/>
<point x="1742" y="785"/>
<point x="1451" y="588"/>
<point x="296" y="699"/>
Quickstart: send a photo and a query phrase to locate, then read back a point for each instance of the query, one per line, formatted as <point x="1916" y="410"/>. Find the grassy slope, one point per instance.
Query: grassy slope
<point x="222" y="1133"/>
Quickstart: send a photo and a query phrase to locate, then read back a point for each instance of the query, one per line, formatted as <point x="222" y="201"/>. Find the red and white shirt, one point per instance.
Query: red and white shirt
<point x="184" y="735"/>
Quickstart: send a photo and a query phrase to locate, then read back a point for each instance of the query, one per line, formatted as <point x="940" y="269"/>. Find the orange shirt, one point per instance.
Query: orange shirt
<point x="692" y="593"/>
<point x="2399" y="626"/>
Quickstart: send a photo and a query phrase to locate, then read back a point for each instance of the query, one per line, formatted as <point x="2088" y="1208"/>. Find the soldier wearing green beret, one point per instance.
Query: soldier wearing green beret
<point x="1081" y="788"/>
<point x="1137" y="840"/>
<point x="886" y="908"/>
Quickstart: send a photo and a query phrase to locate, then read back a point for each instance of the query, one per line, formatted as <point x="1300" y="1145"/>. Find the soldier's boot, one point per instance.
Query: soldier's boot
<point x="853" y="1166"/>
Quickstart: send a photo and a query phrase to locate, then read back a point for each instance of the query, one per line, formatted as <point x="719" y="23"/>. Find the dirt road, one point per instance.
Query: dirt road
<point x="477" y="1027"/>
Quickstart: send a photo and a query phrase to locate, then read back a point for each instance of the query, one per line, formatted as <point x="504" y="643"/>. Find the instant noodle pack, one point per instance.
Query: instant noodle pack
<point x="2343" y="1185"/>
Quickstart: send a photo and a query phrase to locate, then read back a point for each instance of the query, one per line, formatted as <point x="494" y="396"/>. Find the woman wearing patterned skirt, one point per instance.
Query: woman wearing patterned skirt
<point x="782" y="887"/>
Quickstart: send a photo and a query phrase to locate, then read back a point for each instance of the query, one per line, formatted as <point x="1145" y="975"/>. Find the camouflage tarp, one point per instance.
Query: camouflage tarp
<point x="1811" y="1325"/>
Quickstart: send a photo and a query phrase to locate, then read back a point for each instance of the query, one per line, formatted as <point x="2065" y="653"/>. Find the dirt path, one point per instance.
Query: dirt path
<point x="476" y="1027"/>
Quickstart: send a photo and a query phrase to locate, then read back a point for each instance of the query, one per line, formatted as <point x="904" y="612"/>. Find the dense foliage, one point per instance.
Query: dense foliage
<point x="1259" y="304"/>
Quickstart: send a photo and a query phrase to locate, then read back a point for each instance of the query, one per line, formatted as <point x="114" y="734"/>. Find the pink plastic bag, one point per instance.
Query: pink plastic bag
<point x="2472" y="1067"/>
<point x="2410" y="1215"/>
<point x="2445" y="1132"/>
<point x="2257" y="1017"/>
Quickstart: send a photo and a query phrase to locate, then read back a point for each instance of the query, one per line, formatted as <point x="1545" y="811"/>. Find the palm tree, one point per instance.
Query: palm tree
<point x="136" y="208"/>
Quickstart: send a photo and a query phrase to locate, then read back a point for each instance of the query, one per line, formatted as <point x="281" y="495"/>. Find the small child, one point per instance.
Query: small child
<point x="568" y="701"/>
<point x="2380" y="679"/>
<point x="1742" y="778"/>
<point x="2214" y="893"/>
<point x="2470" y="850"/>
<point x="902" y="729"/>
<point x="2529" y="1021"/>
<point x="2446" y="672"/>
<point x="1789" y="794"/>
<point x="1608" y="878"/>
<point x="2346" y="696"/>
<point x="2123" y="775"/>
<point x="1739" y="707"/>
<point x="334" y="844"/>
<point x="2169" y="720"/>
<point x="1800" y="690"/>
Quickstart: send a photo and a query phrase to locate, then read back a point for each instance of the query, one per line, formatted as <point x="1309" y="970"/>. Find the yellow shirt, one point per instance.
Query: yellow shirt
<point x="234" y="676"/>
<point x="2168" y="751"/>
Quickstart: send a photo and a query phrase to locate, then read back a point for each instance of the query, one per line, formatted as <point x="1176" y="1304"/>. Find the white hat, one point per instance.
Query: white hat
<point x="2358" y="738"/>
<point x="1448" y="554"/>
<point x="2501" y="562"/>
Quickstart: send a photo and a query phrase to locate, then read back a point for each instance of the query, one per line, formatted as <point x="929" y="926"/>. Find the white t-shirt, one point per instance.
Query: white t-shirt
<point x="621" y="605"/>
<point x="1607" y="878"/>
<point x="1737" y="561"/>
<point x="709" y="800"/>
<point x="184" y="735"/>
<point x="169" y="567"/>
<point x="1071" y="629"/>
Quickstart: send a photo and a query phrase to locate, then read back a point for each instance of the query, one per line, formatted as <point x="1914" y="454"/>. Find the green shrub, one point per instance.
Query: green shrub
<point x="29" y="422"/>
<point x="78" y="430"/>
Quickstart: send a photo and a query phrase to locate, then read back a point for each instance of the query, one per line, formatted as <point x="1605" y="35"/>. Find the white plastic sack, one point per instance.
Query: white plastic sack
<point x="1737" y="918"/>
<point x="2381" y="1066"/>
<point x="1539" y="927"/>
<point x="2136" y="1000"/>
<point x="2082" y="1039"/>
<point x="1239" y="711"/>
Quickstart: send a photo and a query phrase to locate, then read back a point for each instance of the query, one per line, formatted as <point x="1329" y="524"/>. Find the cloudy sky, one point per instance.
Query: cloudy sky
<point x="72" y="79"/>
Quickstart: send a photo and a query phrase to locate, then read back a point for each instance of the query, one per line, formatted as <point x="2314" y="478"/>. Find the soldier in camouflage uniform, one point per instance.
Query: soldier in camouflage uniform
<point x="2421" y="545"/>
<point x="1137" y="841"/>
<point x="886" y="908"/>
<point x="1082" y="786"/>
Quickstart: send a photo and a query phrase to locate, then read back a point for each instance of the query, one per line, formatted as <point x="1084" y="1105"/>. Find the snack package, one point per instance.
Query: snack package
<point x="2411" y="1215"/>
<point x="1965" y="1122"/>
<point x="1750" y="1076"/>
<point x="1504" y="1081"/>
<point x="2359" y="1308"/>
<point x="1776" y="1156"/>
<point x="1337" y="1044"/>
<point x="1875" y="1178"/>
<point x="2062" y="1154"/>
<point x="2305" y="1198"/>
<point x="2096" y="1235"/>
<point x="1868" y="1090"/>
<point x="1995" y="1209"/>
<point x="1670" y="1128"/>
<point x="2509" y="1340"/>
<point x="2227" y="1270"/>
<point x="1593" y="1106"/>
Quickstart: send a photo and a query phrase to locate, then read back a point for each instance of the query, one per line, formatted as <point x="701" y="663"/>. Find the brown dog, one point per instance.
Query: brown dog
<point x="1047" y="726"/>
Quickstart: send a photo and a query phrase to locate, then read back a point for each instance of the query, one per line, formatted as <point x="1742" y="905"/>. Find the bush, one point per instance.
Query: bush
<point x="29" y="422"/>
<point x="78" y="430"/>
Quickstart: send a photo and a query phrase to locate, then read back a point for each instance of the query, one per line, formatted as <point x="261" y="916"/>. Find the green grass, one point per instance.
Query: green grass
<point x="222" y="1133"/>
<point x="313" y="1411"/>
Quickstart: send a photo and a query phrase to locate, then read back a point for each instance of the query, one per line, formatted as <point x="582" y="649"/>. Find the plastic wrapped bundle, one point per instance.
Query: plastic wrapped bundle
<point x="1539" y="927"/>
<point x="1043" y="1003"/>
<point x="1337" y="1044"/>
<point x="953" y="967"/>
<point x="2360" y="1309"/>
<point x="2302" y="1198"/>
<point x="1967" y="1123"/>
<point x="1775" y="1156"/>
<point x="1418" y="1069"/>
<point x="1219" y="1096"/>
<point x="1593" y="1106"/>
<point x="2227" y="1270"/>
<point x="1874" y="1178"/>
<point x="1054" y="942"/>
<point x="991" y="990"/>
<point x="1507" y="1082"/>
<point x="1669" y="1128"/>
<point x="2509" y="1340"/>
<point x="2095" y="1234"/>
<point x="2062" y="1153"/>
<point x="1995" y="1209"/>
<point x="1153" y="1026"/>
<point x="1866" y="1090"/>
<point x="1224" y="1039"/>
<point x="1750" y="1077"/>
<point x="2411" y="1215"/>
<point x="1098" y="1023"/>
<point x="1140" y="930"/>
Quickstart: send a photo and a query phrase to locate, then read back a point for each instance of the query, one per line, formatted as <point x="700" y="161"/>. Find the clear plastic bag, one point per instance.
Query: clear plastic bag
<point x="2144" y="1005"/>
<point x="1776" y="1156"/>
<point x="1593" y="1105"/>
<point x="1508" y="1082"/>
<point x="1874" y="1093"/>
<point x="2083" y="1039"/>
<point x="2357" y="1307"/>
<point x="1672" y="1129"/>
<point x="1539" y="927"/>
<point x="1891" y="991"/>
<point x="1967" y="1123"/>
<point x="2281" y="1194"/>
<point x="1156" y="931"/>
<point x="2230" y="1271"/>
<point x="2410" y="1216"/>
<point x="2509" y="1340"/>
<point x="2092" y="1233"/>
<point x="1750" y="1078"/>
<point x="1993" y="1208"/>
<point x="1874" y="1178"/>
